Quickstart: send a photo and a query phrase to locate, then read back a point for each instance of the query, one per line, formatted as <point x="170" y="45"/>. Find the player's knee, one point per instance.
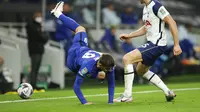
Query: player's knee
<point x="130" y="59"/>
<point x="126" y="59"/>
<point x="80" y="29"/>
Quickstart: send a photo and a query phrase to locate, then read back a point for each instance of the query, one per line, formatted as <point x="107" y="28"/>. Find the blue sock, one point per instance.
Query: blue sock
<point x="69" y="22"/>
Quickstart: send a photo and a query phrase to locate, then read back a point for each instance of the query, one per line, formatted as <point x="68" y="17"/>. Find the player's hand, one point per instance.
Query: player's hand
<point x="88" y="103"/>
<point x="124" y="36"/>
<point x="177" y="50"/>
<point x="101" y="75"/>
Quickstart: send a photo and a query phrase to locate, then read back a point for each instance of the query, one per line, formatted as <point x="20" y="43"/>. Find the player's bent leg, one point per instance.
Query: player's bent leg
<point x="80" y="29"/>
<point x="67" y="21"/>
<point x="129" y="59"/>
<point x="155" y="79"/>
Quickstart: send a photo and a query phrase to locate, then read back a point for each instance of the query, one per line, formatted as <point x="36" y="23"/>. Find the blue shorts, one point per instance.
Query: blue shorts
<point x="150" y="52"/>
<point x="79" y="46"/>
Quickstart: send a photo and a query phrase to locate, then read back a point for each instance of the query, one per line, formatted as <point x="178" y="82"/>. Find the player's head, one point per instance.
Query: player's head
<point x="106" y="63"/>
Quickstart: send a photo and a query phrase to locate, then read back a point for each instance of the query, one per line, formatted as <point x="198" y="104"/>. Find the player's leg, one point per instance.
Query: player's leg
<point x="128" y="60"/>
<point x="144" y="71"/>
<point x="80" y="39"/>
<point x="67" y="21"/>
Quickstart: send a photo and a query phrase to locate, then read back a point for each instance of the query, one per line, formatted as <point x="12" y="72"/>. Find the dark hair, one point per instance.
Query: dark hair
<point x="107" y="60"/>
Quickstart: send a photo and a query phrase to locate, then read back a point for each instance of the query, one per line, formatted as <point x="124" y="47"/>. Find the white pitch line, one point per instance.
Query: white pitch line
<point x="97" y="95"/>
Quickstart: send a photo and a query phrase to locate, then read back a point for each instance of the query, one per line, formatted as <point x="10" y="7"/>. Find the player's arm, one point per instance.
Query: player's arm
<point x="137" y="33"/>
<point x="77" y="89"/>
<point x="174" y="30"/>
<point x="111" y="86"/>
<point x="79" y="80"/>
<point x="163" y="14"/>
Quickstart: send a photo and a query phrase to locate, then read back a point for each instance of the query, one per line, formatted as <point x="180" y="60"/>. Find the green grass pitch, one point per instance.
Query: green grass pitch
<point x="186" y="100"/>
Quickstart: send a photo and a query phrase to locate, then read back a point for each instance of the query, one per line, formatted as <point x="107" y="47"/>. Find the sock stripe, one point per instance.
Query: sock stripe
<point x="128" y="73"/>
<point x="152" y="77"/>
<point x="81" y="36"/>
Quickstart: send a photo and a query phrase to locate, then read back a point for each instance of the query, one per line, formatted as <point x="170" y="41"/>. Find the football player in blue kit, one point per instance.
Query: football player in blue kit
<point x="85" y="62"/>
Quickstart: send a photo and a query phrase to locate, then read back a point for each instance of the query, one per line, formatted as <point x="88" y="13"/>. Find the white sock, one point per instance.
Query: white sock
<point x="128" y="79"/>
<point x="57" y="14"/>
<point x="153" y="78"/>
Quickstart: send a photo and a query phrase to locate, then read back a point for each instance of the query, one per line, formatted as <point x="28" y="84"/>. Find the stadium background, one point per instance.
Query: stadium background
<point x="180" y="72"/>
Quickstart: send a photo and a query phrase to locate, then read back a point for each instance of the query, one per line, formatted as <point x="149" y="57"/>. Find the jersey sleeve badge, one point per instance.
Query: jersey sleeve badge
<point x="83" y="71"/>
<point x="162" y="11"/>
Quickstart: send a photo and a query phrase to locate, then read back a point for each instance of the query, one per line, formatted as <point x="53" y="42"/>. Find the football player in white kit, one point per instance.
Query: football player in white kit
<point x="154" y="16"/>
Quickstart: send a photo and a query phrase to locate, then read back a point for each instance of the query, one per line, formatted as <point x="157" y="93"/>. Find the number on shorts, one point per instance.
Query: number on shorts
<point x="145" y="45"/>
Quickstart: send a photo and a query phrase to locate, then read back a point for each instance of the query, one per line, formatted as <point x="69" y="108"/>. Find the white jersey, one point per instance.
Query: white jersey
<point x="153" y="16"/>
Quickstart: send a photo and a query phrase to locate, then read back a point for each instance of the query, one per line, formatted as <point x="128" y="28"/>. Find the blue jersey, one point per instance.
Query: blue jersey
<point x="83" y="61"/>
<point x="88" y="64"/>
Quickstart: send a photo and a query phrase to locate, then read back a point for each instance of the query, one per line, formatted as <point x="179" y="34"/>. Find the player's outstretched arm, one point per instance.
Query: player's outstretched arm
<point x="174" y="30"/>
<point x="111" y="86"/>
<point x="77" y="89"/>
<point x="137" y="33"/>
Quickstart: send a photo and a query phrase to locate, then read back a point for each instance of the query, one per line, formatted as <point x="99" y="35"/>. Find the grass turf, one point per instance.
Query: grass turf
<point x="186" y="101"/>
